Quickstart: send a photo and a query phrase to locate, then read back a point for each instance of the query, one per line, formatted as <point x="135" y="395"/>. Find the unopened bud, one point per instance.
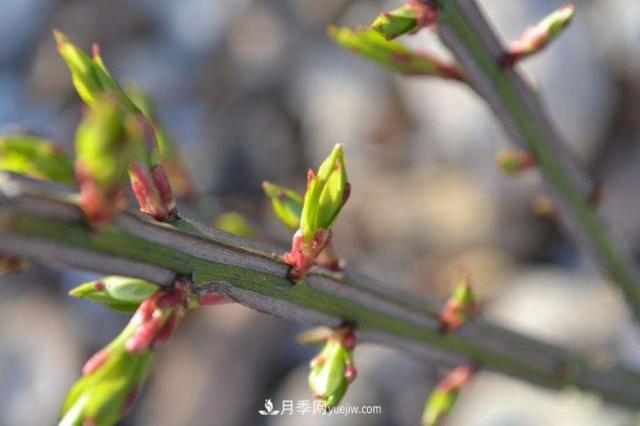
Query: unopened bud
<point x="536" y="38"/>
<point x="514" y="161"/>
<point x="443" y="397"/>
<point x="459" y="308"/>
<point x="333" y="369"/>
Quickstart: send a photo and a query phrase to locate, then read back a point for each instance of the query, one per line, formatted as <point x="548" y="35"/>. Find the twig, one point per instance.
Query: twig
<point x="43" y="223"/>
<point x="465" y="30"/>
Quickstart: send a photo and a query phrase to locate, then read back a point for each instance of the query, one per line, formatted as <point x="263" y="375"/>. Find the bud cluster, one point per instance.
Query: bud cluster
<point x="113" y="377"/>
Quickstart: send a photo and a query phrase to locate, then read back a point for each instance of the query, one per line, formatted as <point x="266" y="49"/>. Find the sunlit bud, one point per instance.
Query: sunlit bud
<point x="149" y="182"/>
<point x="103" y="154"/>
<point x="410" y="18"/>
<point x="105" y="393"/>
<point x="327" y="192"/>
<point x="443" y="397"/>
<point x="286" y="203"/>
<point x="459" y="308"/>
<point x="236" y="224"/>
<point x="122" y="294"/>
<point x="35" y="157"/>
<point x="514" y="161"/>
<point x="393" y="54"/>
<point x="172" y="159"/>
<point x="536" y="38"/>
<point x="333" y="369"/>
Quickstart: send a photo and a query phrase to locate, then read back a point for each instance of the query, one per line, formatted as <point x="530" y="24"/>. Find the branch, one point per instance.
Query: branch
<point x="466" y="32"/>
<point x="41" y="221"/>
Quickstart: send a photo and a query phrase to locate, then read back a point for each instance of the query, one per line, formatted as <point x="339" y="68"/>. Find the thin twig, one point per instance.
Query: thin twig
<point x="476" y="47"/>
<point x="40" y="222"/>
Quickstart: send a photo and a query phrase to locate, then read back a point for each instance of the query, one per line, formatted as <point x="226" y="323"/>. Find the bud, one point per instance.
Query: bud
<point x="536" y="38"/>
<point x="459" y="308"/>
<point x="113" y="377"/>
<point x="149" y="181"/>
<point x="122" y="294"/>
<point x="35" y="157"/>
<point x="326" y="193"/>
<point x="444" y="396"/>
<point x="410" y="18"/>
<point x="514" y="161"/>
<point x="172" y="159"/>
<point x="108" y="389"/>
<point x="333" y="369"/>
<point x="236" y="224"/>
<point x="103" y="154"/>
<point x="286" y="203"/>
<point x="393" y="54"/>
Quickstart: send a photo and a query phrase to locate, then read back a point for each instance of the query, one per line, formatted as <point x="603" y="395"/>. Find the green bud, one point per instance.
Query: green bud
<point x="236" y="224"/>
<point x="326" y="193"/>
<point x="443" y="397"/>
<point x="328" y="370"/>
<point x="104" y="396"/>
<point x="514" y="161"/>
<point x="333" y="369"/>
<point x="392" y="54"/>
<point x="408" y="18"/>
<point x="438" y="406"/>
<point x="122" y="294"/>
<point x="537" y="37"/>
<point x="286" y="203"/>
<point x="35" y="157"/>
<point x="460" y="306"/>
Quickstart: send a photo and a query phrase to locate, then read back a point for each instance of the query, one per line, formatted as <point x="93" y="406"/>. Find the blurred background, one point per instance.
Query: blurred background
<point x="254" y="90"/>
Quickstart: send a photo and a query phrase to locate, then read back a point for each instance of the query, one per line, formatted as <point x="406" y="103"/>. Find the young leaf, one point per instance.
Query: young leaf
<point x="286" y="203"/>
<point x="393" y="54"/>
<point x="122" y="294"/>
<point x="409" y="18"/>
<point x="35" y="157"/>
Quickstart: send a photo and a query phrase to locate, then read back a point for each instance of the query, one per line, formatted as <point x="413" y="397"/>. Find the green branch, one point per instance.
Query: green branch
<point x="464" y="29"/>
<point x="42" y="222"/>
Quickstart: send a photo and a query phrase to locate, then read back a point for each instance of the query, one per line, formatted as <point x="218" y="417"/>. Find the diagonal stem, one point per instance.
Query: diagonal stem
<point x="42" y="222"/>
<point x="466" y="32"/>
